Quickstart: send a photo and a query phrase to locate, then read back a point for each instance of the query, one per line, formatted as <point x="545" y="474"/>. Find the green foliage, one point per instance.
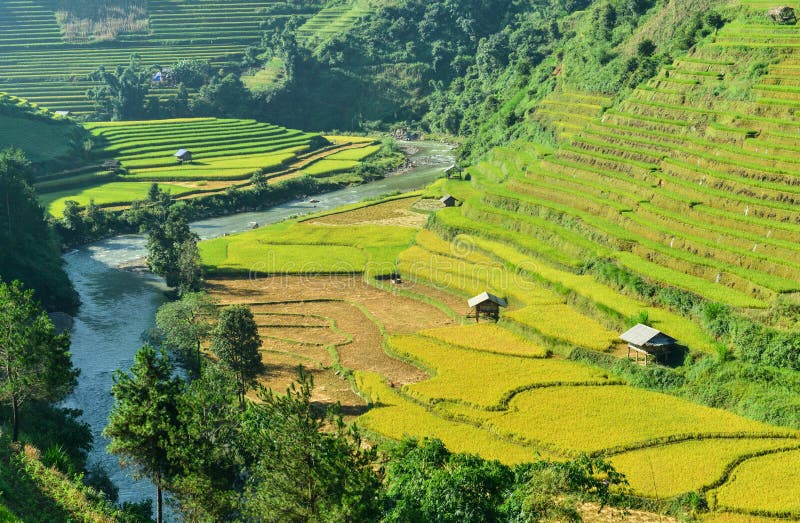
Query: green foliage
<point x="122" y="92"/>
<point x="309" y="466"/>
<point x="144" y="416"/>
<point x="29" y="251"/>
<point x="172" y="252"/>
<point x="224" y="97"/>
<point x="236" y="341"/>
<point x="191" y="72"/>
<point x="185" y="324"/>
<point x="206" y="447"/>
<point x="35" y="360"/>
<point x="425" y="482"/>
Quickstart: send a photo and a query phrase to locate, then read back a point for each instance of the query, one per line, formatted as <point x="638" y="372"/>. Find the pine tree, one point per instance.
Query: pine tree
<point x="144" y="416"/>
<point x="236" y="342"/>
<point x="207" y="447"/>
<point x="309" y="465"/>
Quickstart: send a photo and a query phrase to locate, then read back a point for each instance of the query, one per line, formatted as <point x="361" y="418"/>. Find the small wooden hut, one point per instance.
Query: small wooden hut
<point x="183" y="155"/>
<point x="448" y="200"/>
<point x="782" y="15"/>
<point x="112" y="165"/>
<point x="647" y="342"/>
<point x="486" y="305"/>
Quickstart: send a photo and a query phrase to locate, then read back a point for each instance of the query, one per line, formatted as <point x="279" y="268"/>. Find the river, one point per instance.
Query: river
<point x="118" y="306"/>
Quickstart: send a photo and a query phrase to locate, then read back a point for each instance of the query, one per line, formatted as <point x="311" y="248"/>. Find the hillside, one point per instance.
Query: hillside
<point x="48" y="53"/>
<point x="46" y="139"/>
<point x="687" y="181"/>
<point x="33" y="142"/>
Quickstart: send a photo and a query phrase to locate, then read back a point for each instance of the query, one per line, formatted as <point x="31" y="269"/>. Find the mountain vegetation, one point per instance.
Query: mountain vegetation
<point x="620" y="162"/>
<point x="31" y="251"/>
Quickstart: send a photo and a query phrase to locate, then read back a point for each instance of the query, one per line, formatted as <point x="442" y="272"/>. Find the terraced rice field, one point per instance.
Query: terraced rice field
<point x="58" y="78"/>
<point x="487" y="337"/>
<point x="37" y="63"/>
<point x="771" y="477"/>
<point x="690" y="190"/>
<point x="484" y="388"/>
<point x="226" y="153"/>
<point x="209" y="21"/>
<point x="332" y="20"/>
<point x="670" y="470"/>
<point x="107" y="195"/>
<point x="309" y="247"/>
<point x="482" y="378"/>
<point x="222" y="149"/>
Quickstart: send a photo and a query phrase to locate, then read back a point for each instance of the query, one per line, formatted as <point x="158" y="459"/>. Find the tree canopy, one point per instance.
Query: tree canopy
<point x="29" y="251"/>
<point x="236" y="341"/>
<point x="35" y="360"/>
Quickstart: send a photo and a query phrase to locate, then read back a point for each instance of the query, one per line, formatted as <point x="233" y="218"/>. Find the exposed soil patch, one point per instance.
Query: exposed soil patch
<point x="301" y="316"/>
<point x="395" y="212"/>
<point x="591" y="513"/>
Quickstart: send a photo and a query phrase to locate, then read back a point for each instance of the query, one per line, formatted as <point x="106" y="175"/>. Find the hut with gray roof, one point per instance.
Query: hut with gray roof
<point x="486" y="305"/>
<point x="448" y="200"/>
<point x="647" y="342"/>
<point x="183" y="155"/>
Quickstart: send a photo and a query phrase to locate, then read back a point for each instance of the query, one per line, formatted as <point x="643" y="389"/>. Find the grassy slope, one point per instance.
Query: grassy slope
<point x="34" y="493"/>
<point x="36" y="131"/>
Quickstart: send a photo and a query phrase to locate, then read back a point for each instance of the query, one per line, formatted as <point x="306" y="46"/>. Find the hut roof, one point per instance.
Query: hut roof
<point x="485" y="296"/>
<point x="182" y="152"/>
<point x="643" y="335"/>
<point x="446" y="197"/>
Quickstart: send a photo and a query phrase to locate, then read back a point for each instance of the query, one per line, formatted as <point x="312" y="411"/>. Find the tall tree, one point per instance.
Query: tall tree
<point x="207" y="447"/>
<point x="36" y="363"/>
<point x="189" y="269"/>
<point x="144" y="416"/>
<point x="122" y="93"/>
<point x="236" y="341"/>
<point x="309" y="465"/>
<point x="172" y="252"/>
<point x="185" y="324"/>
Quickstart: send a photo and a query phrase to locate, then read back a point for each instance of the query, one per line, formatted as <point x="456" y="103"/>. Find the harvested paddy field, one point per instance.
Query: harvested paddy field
<point x="395" y="212"/>
<point x="327" y="323"/>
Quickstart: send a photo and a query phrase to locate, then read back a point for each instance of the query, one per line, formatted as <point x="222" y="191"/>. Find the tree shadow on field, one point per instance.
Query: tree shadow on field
<point x="343" y="410"/>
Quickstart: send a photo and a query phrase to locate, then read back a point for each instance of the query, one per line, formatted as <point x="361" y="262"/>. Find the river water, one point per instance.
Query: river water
<point x="118" y="306"/>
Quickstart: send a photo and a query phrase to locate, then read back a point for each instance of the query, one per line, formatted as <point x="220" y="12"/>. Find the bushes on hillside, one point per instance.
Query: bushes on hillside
<point x="29" y="251"/>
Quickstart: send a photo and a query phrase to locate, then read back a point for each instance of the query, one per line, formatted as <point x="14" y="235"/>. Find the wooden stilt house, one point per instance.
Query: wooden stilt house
<point x="486" y="305"/>
<point x="647" y="343"/>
